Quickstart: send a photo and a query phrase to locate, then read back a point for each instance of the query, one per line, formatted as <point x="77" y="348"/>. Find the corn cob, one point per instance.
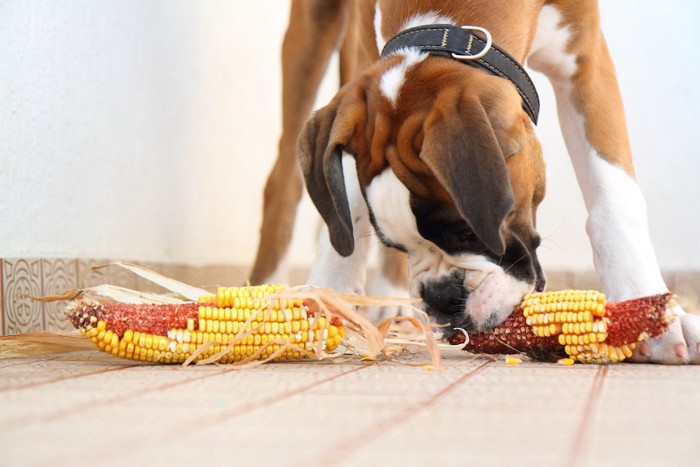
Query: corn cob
<point x="577" y="324"/>
<point x="243" y="323"/>
<point x="236" y="324"/>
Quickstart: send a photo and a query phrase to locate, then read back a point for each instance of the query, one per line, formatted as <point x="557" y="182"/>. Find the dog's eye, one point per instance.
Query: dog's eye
<point x="466" y="236"/>
<point x="461" y="240"/>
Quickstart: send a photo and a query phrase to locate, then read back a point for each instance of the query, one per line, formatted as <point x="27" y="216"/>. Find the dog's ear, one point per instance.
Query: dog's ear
<point x="461" y="149"/>
<point x="320" y="154"/>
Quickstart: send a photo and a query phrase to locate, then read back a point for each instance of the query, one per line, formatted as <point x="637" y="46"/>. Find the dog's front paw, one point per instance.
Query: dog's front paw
<point x="679" y="344"/>
<point x="691" y="333"/>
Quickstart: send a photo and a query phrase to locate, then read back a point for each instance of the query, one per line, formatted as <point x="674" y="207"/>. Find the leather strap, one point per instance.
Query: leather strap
<point x="446" y="39"/>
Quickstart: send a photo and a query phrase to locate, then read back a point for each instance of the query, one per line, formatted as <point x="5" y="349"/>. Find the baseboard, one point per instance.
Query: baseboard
<point x="21" y="278"/>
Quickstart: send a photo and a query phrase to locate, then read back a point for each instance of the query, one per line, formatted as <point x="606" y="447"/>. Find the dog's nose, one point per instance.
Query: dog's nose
<point x="446" y="296"/>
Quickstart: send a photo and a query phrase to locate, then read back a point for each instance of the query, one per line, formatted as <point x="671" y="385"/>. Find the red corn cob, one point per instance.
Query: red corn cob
<point x="617" y="326"/>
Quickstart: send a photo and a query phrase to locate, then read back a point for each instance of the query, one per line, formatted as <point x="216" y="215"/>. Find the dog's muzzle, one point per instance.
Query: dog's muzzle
<point x="445" y="299"/>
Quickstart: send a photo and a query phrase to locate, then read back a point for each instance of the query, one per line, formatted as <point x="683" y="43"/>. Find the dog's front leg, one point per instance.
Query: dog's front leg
<point x="571" y="50"/>
<point x="346" y="273"/>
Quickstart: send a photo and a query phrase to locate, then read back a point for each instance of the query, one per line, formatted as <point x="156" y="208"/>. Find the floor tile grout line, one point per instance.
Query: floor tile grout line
<point x="250" y="407"/>
<point x="284" y="395"/>
<point x="584" y="424"/>
<point x="338" y="450"/>
<point x="72" y="410"/>
<point x="64" y="378"/>
<point x="13" y="424"/>
<point x="47" y="358"/>
<point x="177" y="432"/>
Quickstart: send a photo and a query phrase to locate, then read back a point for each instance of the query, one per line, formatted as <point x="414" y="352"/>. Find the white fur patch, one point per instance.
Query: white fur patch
<point x="390" y="201"/>
<point x="617" y="226"/>
<point x="548" y="52"/>
<point x="345" y="274"/>
<point x="493" y="292"/>
<point x="381" y="41"/>
<point x="392" y="79"/>
<point x="430" y="17"/>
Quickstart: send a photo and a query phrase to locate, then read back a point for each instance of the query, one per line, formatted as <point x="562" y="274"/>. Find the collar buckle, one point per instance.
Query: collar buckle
<point x="468" y="55"/>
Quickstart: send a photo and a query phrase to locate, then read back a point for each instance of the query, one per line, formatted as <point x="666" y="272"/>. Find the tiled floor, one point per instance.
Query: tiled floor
<point x="84" y="408"/>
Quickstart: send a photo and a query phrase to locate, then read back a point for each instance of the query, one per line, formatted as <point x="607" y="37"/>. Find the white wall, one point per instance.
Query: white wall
<point x="145" y="129"/>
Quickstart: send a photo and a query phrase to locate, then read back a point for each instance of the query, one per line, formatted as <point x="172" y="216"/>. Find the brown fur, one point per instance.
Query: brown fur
<point x="597" y="94"/>
<point x="363" y="123"/>
<point x="448" y="139"/>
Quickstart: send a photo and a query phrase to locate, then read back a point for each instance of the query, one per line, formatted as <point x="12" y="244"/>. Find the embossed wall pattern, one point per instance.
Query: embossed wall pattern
<point x="24" y="278"/>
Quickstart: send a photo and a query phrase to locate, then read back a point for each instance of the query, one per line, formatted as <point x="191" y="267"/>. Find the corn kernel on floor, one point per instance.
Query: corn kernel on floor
<point x="85" y="407"/>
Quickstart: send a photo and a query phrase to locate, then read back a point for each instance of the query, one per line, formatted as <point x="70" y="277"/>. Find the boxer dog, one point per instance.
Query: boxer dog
<point x="435" y="151"/>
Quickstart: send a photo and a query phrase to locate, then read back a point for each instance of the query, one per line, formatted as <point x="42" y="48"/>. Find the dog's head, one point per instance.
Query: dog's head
<point x="452" y="173"/>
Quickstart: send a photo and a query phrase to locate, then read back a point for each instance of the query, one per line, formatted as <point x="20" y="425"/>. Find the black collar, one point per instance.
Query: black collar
<point x="458" y="42"/>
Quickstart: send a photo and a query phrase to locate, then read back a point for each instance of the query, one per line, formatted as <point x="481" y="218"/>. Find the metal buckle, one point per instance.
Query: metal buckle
<point x="483" y="52"/>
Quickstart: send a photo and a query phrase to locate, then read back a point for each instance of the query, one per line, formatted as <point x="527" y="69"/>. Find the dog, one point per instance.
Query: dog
<point x="437" y="153"/>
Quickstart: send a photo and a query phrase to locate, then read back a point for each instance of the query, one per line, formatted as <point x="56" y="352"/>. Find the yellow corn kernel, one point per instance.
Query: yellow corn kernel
<point x="627" y="350"/>
<point x="577" y="319"/>
<point x="235" y="317"/>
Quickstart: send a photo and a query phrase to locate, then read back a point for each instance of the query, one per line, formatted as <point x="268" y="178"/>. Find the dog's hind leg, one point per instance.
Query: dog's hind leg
<point x="314" y="33"/>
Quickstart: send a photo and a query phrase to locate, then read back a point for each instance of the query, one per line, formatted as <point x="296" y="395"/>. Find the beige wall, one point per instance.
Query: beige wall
<point x="145" y="130"/>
